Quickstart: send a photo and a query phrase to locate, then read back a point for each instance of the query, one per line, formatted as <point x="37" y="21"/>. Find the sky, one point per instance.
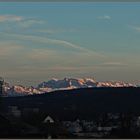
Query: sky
<point x="40" y="41"/>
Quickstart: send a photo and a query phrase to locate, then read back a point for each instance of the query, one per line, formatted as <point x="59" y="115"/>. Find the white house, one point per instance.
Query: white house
<point x="48" y="119"/>
<point x="14" y="111"/>
<point x="106" y="128"/>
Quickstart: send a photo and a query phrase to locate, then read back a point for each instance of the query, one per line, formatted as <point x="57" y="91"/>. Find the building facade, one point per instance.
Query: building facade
<point x="1" y="85"/>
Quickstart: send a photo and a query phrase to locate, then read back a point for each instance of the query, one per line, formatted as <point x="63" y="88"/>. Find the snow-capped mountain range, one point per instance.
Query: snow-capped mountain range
<point x="60" y="84"/>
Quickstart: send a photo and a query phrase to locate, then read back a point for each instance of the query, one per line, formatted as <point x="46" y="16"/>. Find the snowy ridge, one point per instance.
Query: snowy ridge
<point x="60" y="84"/>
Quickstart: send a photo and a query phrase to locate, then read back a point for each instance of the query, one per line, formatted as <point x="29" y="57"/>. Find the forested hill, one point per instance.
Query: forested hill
<point x="81" y="102"/>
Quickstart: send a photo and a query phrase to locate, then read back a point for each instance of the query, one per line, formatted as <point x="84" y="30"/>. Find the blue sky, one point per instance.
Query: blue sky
<point x="39" y="41"/>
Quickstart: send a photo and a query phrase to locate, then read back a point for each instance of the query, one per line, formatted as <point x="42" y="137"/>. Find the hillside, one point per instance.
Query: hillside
<point x="85" y="102"/>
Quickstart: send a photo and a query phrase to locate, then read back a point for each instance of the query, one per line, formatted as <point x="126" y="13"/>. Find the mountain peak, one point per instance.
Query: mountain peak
<point x="62" y="84"/>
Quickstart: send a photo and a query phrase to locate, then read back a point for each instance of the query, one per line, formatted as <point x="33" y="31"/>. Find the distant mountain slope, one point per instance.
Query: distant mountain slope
<point x="61" y="84"/>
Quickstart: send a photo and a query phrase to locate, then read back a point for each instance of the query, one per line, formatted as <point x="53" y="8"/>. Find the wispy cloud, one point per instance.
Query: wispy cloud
<point x="21" y="21"/>
<point x="105" y="17"/>
<point x="52" y="68"/>
<point x="52" y="31"/>
<point x="29" y="22"/>
<point x="4" y="18"/>
<point x="136" y="28"/>
<point x="113" y="64"/>
<point x="7" y="49"/>
<point x="63" y="43"/>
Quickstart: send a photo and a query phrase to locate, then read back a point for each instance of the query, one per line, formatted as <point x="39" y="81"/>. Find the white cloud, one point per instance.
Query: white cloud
<point x="105" y="17"/>
<point x="21" y="21"/>
<point x="29" y="22"/>
<point x="4" y="18"/>
<point x="136" y="28"/>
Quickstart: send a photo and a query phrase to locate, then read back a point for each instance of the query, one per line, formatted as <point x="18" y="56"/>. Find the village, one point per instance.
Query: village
<point x="32" y="123"/>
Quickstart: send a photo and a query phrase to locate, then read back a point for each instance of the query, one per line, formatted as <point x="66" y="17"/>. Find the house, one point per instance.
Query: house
<point x="74" y="128"/>
<point x="105" y="128"/>
<point x="48" y="119"/>
<point x="13" y="110"/>
<point x="138" y="121"/>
